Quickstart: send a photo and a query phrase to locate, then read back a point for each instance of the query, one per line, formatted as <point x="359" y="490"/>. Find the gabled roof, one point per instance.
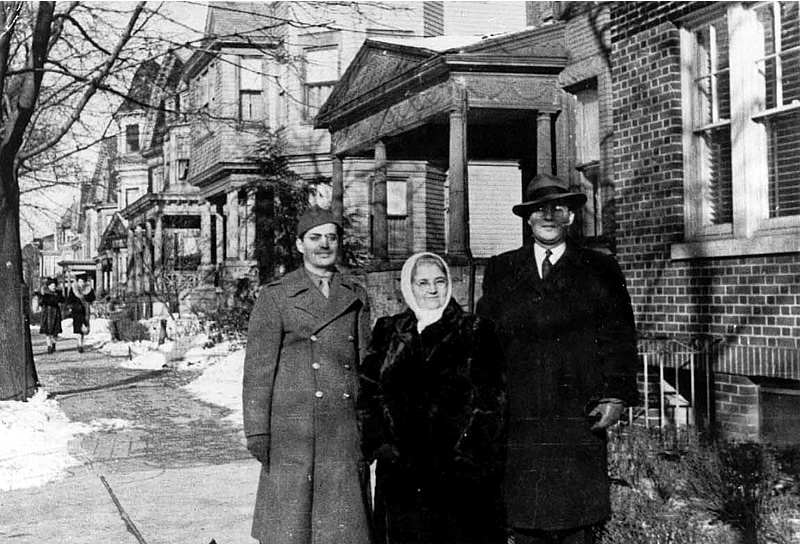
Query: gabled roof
<point x="141" y="87"/>
<point x="235" y="24"/>
<point x="240" y="21"/>
<point x="396" y="67"/>
<point x="117" y="229"/>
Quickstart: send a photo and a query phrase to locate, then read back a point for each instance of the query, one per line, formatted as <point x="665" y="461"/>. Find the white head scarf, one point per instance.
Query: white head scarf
<point x="424" y="317"/>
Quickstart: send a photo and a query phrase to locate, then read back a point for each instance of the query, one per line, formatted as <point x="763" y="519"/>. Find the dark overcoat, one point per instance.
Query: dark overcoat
<point x="433" y="407"/>
<point x="568" y="341"/>
<point x="51" y="313"/>
<point x="300" y="386"/>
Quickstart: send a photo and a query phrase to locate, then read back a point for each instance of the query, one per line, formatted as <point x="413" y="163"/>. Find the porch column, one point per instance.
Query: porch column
<point x="248" y="230"/>
<point x="220" y="234"/>
<point x="232" y="224"/>
<point x="130" y="263"/>
<point x="337" y="187"/>
<point x="138" y="259"/>
<point x="458" y="227"/>
<point x="205" y="236"/>
<point x="380" y="223"/>
<point x="147" y="250"/>
<point x="544" y="151"/>
<point x="158" y="253"/>
<point x="100" y="279"/>
<point x="122" y="272"/>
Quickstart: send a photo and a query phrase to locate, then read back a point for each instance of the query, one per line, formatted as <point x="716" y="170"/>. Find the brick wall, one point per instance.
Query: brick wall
<point x="749" y="300"/>
<point x="737" y="407"/>
<point x="751" y="303"/>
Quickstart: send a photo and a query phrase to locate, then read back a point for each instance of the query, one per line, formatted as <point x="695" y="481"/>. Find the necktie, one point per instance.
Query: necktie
<point x="546" y="264"/>
<point x="325" y="286"/>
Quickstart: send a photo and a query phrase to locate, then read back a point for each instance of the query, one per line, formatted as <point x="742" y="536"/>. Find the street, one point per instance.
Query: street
<point x="163" y="466"/>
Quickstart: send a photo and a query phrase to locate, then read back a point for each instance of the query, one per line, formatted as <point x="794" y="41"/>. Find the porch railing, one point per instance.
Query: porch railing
<point x="676" y="384"/>
<point x="676" y="378"/>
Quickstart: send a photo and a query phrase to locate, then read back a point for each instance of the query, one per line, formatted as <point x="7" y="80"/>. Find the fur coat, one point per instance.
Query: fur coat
<point x="433" y="407"/>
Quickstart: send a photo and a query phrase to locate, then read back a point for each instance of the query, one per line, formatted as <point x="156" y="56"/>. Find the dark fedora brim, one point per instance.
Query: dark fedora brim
<point x="572" y="200"/>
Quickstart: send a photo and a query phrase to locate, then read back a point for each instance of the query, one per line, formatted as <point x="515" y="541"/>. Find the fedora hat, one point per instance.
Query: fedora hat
<point x="546" y="188"/>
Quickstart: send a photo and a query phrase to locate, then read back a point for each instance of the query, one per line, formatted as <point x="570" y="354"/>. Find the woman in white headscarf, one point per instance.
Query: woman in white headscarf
<point x="433" y="409"/>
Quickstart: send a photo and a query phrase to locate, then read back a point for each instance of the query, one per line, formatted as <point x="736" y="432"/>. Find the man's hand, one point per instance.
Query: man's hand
<point x="258" y="446"/>
<point x="606" y="413"/>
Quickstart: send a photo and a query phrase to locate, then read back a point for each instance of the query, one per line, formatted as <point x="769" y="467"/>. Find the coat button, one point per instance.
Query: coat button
<point x="318" y="394"/>
<point x="313" y="338"/>
<point x="315" y="366"/>
<point x="347" y="367"/>
<point x="345" y="395"/>
<point x="350" y="338"/>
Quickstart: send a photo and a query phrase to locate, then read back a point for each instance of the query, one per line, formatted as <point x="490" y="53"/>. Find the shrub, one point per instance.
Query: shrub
<point x="674" y="487"/>
<point x="125" y="329"/>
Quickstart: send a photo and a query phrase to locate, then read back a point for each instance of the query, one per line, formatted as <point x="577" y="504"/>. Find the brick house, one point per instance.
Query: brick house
<point x="679" y="120"/>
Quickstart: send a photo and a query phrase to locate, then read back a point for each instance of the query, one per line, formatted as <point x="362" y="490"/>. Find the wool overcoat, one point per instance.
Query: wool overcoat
<point x="569" y="340"/>
<point x="299" y="388"/>
<point x="51" y="313"/>
<point x="436" y="400"/>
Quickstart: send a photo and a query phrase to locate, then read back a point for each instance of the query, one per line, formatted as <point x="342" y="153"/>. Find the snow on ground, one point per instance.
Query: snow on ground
<point x="36" y="434"/>
<point x="221" y="384"/>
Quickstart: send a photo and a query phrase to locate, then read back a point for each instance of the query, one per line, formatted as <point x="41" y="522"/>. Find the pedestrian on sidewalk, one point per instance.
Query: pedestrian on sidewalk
<point x="566" y="323"/>
<point x="433" y="405"/>
<point x="306" y="334"/>
<point x="50" y="302"/>
<point x="79" y="299"/>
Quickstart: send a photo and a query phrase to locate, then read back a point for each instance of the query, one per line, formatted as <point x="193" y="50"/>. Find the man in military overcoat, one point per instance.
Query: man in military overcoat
<point x="306" y="334"/>
<point x="566" y="325"/>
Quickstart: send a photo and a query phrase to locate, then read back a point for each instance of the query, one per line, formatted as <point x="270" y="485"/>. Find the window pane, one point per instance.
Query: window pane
<point x="790" y="25"/>
<point x="716" y="168"/>
<point x="252" y="106"/>
<point x="250" y="78"/>
<point x="322" y="65"/>
<point x="713" y="77"/>
<point x="783" y="138"/>
<point x="791" y="77"/>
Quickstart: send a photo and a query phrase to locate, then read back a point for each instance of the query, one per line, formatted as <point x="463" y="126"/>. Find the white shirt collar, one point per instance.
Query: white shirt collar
<point x="555" y="255"/>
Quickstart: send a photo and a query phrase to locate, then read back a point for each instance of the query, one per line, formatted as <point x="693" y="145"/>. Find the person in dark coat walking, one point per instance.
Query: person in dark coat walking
<point x="79" y="300"/>
<point x="433" y="407"/>
<point x="565" y="320"/>
<point x="50" y="303"/>
<point x="306" y="335"/>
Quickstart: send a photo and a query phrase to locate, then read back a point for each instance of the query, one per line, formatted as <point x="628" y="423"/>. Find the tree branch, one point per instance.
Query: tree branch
<point x="95" y="83"/>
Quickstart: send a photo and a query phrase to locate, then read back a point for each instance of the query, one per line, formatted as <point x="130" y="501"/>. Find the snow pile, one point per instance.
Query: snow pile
<point x="98" y="336"/>
<point x="35" y="435"/>
<point x="221" y="384"/>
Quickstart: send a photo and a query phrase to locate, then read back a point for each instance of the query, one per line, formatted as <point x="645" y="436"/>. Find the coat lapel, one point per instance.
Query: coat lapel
<point x="304" y="296"/>
<point x="342" y="297"/>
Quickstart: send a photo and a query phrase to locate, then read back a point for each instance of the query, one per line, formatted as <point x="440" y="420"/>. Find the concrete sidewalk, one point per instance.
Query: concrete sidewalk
<point x="192" y="505"/>
<point x="176" y="473"/>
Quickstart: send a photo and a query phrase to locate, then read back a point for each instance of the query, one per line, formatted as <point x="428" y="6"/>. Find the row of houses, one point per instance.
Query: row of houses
<point x="422" y="125"/>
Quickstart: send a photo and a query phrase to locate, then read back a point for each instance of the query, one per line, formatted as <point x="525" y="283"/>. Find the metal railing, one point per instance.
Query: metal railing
<point x="676" y="383"/>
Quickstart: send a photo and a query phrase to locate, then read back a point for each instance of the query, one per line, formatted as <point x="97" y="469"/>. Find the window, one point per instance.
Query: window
<point x="183" y="169"/>
<point x="587" y="143"/>
<point x="741" y="82"/>
<point x="130" y="196"/>
<point x="322" y="71"/>
<point x="251" y="89"/>
<point x="131" y="138"/>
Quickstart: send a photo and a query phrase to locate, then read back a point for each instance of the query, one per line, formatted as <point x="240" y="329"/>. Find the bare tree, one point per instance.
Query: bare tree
<point x="37" y="39"/>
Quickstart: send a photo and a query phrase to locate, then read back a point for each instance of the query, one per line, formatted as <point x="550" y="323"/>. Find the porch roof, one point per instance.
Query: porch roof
<point x="395" y="85"/>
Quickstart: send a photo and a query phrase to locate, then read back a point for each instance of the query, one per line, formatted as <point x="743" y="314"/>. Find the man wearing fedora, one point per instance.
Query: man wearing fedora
<point x="566" y="324"/>
<point x="307" y="333"/>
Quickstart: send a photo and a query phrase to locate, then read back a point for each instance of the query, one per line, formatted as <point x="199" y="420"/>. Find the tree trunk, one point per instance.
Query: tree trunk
<point x="18" y="379"/>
